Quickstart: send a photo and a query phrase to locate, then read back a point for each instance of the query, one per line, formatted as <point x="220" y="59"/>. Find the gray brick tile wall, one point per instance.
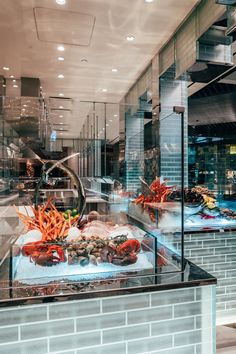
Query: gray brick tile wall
<point x="217" y="255"/>
<point x="170" y="322"/>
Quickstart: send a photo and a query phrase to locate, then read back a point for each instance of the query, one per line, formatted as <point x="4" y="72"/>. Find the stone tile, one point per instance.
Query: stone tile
<point x="186" y="338"/>
<point x="181" y="350"/>
<point x="32" y="347"/>
<point x="150" y="344"/>
<point x="118" y="348"/>
<point x="8" y="334"/>
<point x="75" y="341"/>
<point x="100" y="321"/>
<point x="125" y="303"/>
<point x="172" y="297"/>
<point x="190" y="309"/>
<point x="46" y="329"/>
<point x="23" y="315"/>
<point x="125" y="333"/>
<point x="74" y="309"/>
<point x="172" y="326"/>
<point x="153" y="314"/>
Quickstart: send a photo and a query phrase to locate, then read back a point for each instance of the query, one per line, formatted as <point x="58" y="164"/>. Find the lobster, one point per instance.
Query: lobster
<point x="124" y="254"/>
<point x="43" y="254"/>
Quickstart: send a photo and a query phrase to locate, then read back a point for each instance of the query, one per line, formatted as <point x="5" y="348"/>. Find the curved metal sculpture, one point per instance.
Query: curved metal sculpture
<point x="44" y="179"/>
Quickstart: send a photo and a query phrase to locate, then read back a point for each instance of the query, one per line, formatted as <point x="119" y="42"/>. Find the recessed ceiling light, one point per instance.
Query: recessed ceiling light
<point x="24" y="105"/>
<point x="110" y="120"/>
<point x="60" y="58"/>
<point x="130" y="38"/>
<point x="60" y="48"/>
<point x="14" y="80"/>
<point x="84" y="60"/>
<point x="61" y="2"/>
<point x="61" y="123"/>
<point x="104" y="90"/>
<point x="23" y="109"/>
<point x="6" y="68"/>
<point x="61" y="94"/>
<point x="4" y="85"/>
<point x="148" y="0"/>
<point x="15" y="85"/>
<point x="11" y="76"/>
<point x="107" y="125"/>
<point x="60" y="116"/>
<point x="61" y="107"/>
<point x="114" y="70"/>
<point x="103" y="128"/>
<point x="115" y="115"/>
<point x="60" y="76"/>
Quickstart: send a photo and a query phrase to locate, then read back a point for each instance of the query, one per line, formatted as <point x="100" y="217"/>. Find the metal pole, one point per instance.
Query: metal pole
<point x="180" y="110"/>
<point x="87" y="146"/>
<point x="93" y="141"/>
<point x="105" y="139"/>
<point x="182" y="190"/>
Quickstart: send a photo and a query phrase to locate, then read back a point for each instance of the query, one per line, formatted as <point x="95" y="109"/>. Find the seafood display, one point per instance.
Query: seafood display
<point x="160" y="204"/>
<point x="118" y="251"/>
<point x="55" y="245"/>
<point x="53" y="224"/>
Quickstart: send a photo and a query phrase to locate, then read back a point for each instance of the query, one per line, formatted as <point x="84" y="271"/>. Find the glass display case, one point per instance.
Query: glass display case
<point x="212" y="174"/>
<point x="129" y="232"/>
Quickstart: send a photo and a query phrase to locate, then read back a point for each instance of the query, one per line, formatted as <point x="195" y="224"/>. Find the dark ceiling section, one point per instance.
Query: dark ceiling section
<point x="214" y="104"/>
<point x="221" y="130"/>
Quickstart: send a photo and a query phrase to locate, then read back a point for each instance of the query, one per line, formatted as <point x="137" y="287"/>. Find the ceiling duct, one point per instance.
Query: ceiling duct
<point x="214" y="56"/>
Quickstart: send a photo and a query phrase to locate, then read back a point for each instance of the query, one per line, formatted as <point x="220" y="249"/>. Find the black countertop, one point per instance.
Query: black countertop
<point x="16" y="294"/>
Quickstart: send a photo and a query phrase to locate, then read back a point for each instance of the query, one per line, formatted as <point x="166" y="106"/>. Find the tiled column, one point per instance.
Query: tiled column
<point x="216" y="253"/>
<point x="134" y="149"/>
<point x="172" y="93"/>
<point x="177" y="321"/>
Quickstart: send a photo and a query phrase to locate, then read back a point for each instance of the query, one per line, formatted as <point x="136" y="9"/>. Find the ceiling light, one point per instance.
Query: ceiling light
<point x="60" y="48"/>
<point x="14" y="80"/>
<point x="6" y="68"/>
<point x="60" y="58"/>
<point x="130" y="38"/>
<point x="84" y="60"/>
<point x="148" y="1"/>
<point x="4" y="85"/>
<point x="61" y="94"/>
<point x="103" y="128"/>
<point x="61" y="2"/>
<point x="104" y="90"/>
<point x="24" y="105"/>
<point x="114" y="70"/>
<point x="23" y="109"/>
<point x="15" y="85"/>
<point x="110" y="120"/>
<point x="107" y="125"/>
<point x="60" y="116"/>
<point x="61" y="107"/>
<point x="115" y="115"/>
<point x="60" y="76"/>
<point x="61" y="123"/>
<point x="11" y="76"/>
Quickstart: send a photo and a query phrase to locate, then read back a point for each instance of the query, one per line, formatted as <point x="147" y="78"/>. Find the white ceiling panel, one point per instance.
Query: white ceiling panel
<point x="26" y="55"/>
